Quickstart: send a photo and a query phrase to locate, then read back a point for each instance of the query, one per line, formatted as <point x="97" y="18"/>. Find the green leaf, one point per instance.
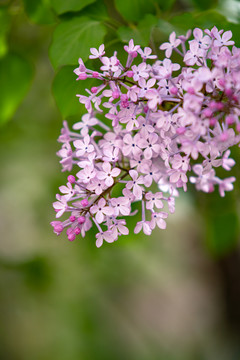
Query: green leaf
<point x="208" y="19"/>
<point x="165" y="5"/>
<point x="134" y="10"/>
<point x="4" y="27"/>
<point x="62" y="6"/>
<point x="73" y="39"/>
<point x="204" y="4"/>
<point x="65" y="89"/>
<point x="15" y="77"/>
<point x="112" y="44"/>
<point x="230" y="9"/>
<point x="4" y="21"/>
<point x="222" y="232"/>
<point x="96" y="11"/>
<point x="3" y="46"/>
<point x="235" y="31"/>
<point x="222" y="225"/>
<point x="221" y="215"/>
<point x="140" y="34"/>
<point x="183" y="22"/>
<point x="40" y="11"/>
<point x="204" y="19"/>
<point x="164" y="28"/>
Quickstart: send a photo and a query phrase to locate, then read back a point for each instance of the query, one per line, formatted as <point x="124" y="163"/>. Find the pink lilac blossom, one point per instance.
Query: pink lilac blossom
<point x="154" y="122"/>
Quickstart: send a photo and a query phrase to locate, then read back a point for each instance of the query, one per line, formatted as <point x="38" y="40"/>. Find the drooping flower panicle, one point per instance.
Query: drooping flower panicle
<point x="164" y="123"/>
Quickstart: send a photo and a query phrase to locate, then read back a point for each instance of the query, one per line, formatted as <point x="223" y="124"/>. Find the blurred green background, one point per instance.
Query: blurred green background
<point x="172" y="296"/>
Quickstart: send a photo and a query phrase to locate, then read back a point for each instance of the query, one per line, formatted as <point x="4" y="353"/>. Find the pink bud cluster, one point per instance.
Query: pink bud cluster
<point x="149" y="122"/>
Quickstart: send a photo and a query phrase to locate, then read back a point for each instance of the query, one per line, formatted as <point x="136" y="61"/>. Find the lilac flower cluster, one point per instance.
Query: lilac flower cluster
<point x="149" y="122"/>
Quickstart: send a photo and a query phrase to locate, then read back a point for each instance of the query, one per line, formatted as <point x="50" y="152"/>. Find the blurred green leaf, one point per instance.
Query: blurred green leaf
<point x="165" y="5"/>
<point x="40" y="11"/>
<point x="209" y="18"/>
<point x="3" y="46"/>
<point x="73" y="39"/>
<point x="4" y="20"/>
<point x="113" y="43"/>
<point x="65" y="88"/>
<point x="222" y="233"/>
<point x="231" y="9"/>
<point x="222" y="227"/>
<point x="204" y="4"/>
<point x="235" y="31"/>
<point x="62" y="6"/>
<point x="15" y="77"/>
<point x="37" y="272"/>
<point x="4" y="27"/>
<point x="96" y="11"/>
<point x="134" y="10"/>
<point x="162" y="29"/>
<point x="141" y="33"/>
<point x="182" y="22"/>
<point x="204" y="19"/>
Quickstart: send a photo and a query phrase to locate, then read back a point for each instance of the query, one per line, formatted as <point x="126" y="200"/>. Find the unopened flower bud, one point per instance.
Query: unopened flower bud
<point x="115" y="94"/>
<point x="84" y="202"/>
<point x="173" y="90"/>
<point x="228" y="92"/>
<point x="71" y="237"/>
<point x="81" y="220"/>
<point x="230" y="120"/>
<point x="82" y="76"/>
<point x="71" y="179"/>
<point x="94" y="89"/>
<point x="134" y="54"/>
<point x="77" y="230"/>
<point x="207" y="112"/>
<point x="212" y="121"/>
<point x="130" y="73"/>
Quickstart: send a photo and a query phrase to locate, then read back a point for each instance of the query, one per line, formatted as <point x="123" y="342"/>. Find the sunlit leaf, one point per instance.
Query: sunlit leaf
<point x="62" y="6"/>
<point x="231" y="9"/>
<point x="15" y="78"/>
<point x="73" y="39"/>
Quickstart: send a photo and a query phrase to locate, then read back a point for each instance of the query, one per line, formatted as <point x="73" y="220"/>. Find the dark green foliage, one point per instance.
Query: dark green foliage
<point x="15" y="77"/>
<point x="39" y="12"/>
<point x="62" y="6"/>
